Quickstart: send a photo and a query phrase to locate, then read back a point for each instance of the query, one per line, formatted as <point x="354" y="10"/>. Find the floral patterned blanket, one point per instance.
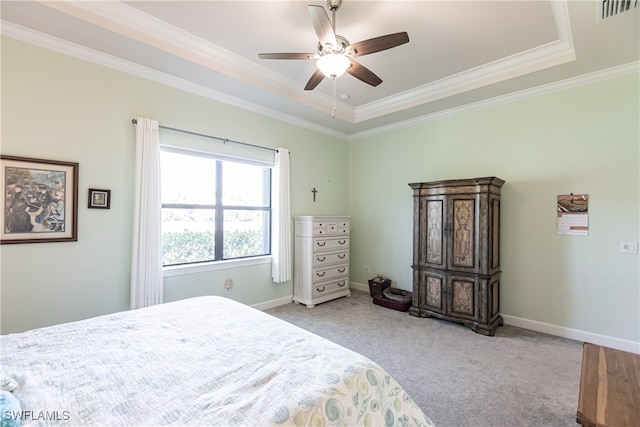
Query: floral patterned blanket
<point x="200" y="361"/>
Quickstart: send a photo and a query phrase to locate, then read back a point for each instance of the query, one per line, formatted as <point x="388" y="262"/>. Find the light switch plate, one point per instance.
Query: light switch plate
<point x="629" y="247"/>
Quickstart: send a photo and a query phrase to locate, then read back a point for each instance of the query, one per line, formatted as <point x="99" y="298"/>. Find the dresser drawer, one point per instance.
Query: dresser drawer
<point x="321" y="228"/>
<point x="330" y="244"/>
<point x="338" y="227"/>
<point x="320" y="260"/>
<point x="329" y="287"/>
<point x="342" y="227"/>
<point x="330" y="273"/>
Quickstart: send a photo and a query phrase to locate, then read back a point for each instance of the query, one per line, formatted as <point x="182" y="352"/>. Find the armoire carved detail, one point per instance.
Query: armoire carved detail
<point x="456" y="259"/>
<point x="434" y="234"/>
<point x="463" y="227"/>
<point x="434" y="297"/>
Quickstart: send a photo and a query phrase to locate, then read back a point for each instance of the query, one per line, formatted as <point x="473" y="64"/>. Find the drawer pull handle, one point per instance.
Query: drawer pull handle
<point x="342" y="242"/>
<point x="321" y="274"/>
<point x="341" y="284"/>
<point x="321" y="243"/>
<point x="320" y="289"/>
<point x="321" y="259"/>
<point x="342" y="256"/>
<point x="342" y="270"/>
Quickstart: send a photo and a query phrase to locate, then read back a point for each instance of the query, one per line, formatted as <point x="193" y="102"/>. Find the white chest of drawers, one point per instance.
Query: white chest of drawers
<point x="321" y="259"/>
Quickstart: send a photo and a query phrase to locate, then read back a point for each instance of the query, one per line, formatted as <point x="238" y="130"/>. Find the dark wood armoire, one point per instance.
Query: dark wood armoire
<point x="456" y="252"/>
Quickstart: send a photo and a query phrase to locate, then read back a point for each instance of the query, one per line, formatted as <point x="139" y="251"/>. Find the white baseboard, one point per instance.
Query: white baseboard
<point x="363" y="286"/>
<point x="533" y="325"/>
<point x="266" y="305"/>
<point x="574" y="334"/>
<point x="359" y="286"/>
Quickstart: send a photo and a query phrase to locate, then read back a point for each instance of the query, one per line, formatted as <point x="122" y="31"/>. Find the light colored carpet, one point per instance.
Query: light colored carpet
<point x="459" y="378"/>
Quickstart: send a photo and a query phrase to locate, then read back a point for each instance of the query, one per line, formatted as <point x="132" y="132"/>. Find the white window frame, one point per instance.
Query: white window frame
<point x="200" y="267"/>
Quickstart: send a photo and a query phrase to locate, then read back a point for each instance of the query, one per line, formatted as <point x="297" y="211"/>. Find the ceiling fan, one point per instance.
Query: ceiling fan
<point x="334" y="52"/>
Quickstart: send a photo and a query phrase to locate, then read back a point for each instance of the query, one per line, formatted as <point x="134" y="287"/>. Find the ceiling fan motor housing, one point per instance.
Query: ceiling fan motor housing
<point x="340" y="49"/>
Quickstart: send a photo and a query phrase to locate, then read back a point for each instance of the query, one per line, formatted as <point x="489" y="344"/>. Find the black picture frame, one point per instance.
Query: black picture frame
<point x="99" y="199"/>
<point x="41" y="200"/>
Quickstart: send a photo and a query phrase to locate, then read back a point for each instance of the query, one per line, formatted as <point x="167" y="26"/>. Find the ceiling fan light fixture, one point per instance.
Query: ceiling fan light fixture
<point x="335" y="51"/>
<point x="333" y="65"/>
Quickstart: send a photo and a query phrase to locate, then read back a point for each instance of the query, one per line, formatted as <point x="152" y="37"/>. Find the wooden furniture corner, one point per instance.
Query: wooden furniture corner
<point x="609" y="388"/>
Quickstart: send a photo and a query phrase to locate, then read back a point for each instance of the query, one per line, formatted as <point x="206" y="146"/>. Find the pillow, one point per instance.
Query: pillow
<point x="9" y="410"/>
<point x="7" y="383"/>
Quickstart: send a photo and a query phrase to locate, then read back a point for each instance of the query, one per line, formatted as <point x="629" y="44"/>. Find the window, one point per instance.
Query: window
<point x="213" y="208"/>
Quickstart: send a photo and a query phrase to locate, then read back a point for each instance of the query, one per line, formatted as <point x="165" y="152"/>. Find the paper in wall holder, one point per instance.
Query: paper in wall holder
<point x="573" y="214"/>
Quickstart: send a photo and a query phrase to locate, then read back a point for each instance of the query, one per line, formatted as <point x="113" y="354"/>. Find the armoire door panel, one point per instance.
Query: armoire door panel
<point x="432" y="291"/>
<point x="464" y="230"/>
<point x="432" y="246"/>
<point x="495" y="298"/>
<point x="463" y="295"/>
<point x="495" y="234"/>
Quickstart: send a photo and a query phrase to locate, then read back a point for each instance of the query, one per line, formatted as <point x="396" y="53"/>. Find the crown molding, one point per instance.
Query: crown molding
<point x="137" y="25"/>
<point x="132" y="23"/>
<point x="585" y="79"/>
<point x="64" y="47"/>
<point x="529" y="61"/>
<point x="557" y="51"/>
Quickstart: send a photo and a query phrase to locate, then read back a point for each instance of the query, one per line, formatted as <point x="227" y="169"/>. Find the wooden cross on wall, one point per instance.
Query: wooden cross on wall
<point x="314" y="191"/>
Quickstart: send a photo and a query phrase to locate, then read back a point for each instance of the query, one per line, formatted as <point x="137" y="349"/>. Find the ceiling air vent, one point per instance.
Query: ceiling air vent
<point x="609" y="8"/>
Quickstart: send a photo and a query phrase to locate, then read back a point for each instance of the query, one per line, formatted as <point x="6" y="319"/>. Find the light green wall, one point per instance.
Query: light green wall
<point x="58" y="107"/>
<point x="579" y="140"/>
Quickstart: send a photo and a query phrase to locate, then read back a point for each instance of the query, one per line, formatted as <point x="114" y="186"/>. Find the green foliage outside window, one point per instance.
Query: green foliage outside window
<point x="194" y="246"/>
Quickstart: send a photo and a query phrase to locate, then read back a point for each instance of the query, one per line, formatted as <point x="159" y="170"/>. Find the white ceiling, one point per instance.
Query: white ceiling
<point x="461" y="54"/>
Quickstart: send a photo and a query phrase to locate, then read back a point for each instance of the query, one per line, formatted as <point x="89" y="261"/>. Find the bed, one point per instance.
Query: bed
<point x="199" y="361"/>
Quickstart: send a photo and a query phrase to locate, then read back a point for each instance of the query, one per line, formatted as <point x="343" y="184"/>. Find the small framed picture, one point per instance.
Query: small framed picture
<point x="99" y="199"/>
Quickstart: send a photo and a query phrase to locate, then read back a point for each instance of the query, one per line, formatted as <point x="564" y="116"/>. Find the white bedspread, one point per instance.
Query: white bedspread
<point x="201" y="361"/>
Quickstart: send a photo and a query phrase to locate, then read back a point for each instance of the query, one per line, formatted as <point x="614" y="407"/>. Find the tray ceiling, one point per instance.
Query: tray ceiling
<point x="461" y="54"/>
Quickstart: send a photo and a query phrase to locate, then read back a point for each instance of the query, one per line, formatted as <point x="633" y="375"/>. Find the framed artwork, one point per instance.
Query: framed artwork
<point x="99" y="199"/>
<point x="41" y="200"/>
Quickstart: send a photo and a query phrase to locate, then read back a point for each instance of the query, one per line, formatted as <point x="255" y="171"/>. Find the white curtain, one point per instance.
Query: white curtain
<point x="281" y="219"/>
<point x="146" y="256"/>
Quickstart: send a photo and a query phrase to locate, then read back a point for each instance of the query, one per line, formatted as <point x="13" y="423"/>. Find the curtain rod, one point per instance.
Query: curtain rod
<point x="224" y="140"/>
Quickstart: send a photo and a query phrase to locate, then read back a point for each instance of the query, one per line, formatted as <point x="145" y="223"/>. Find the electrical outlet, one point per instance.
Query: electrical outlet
<point x="629" y="247"/>
<point x="228" y="284"/>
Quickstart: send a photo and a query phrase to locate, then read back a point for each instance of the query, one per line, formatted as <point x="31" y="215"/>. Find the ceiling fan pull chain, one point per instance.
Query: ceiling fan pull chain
<point x="334" y="106"/>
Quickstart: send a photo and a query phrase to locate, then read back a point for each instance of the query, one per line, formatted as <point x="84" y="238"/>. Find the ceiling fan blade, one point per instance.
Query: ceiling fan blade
<point x="287" y="55"/>
<point x="377" y="44"/>
<point x="315" y="80"/>
<point x="322" y="25"/>
<point x="361" y="72"/>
